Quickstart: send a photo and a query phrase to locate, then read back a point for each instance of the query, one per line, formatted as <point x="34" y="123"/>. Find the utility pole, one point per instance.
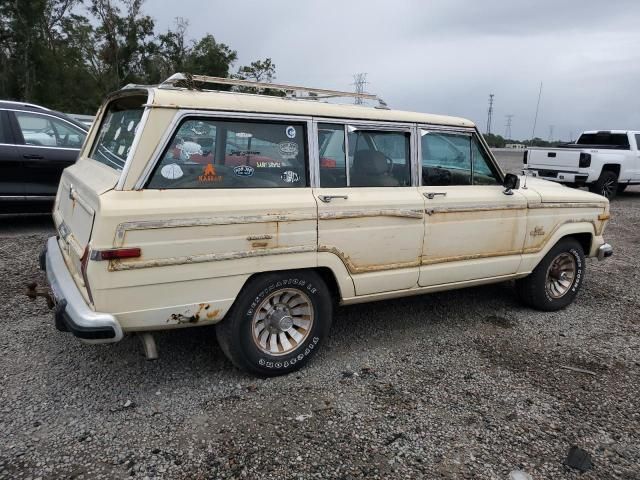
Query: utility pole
<point x="507" y="132"/>
<point x="359" y="81"/>
<point x="550" y="133"/>
<point x="490" y="113"/>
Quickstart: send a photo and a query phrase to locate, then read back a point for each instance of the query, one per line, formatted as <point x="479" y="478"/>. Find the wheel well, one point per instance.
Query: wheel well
<point x="584" y="239"/>
<point x="324" y="272"/>
<point x="611" y="167"/>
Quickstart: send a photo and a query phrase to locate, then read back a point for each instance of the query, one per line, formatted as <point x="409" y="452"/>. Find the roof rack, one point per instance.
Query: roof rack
<point x="186" y="80"/>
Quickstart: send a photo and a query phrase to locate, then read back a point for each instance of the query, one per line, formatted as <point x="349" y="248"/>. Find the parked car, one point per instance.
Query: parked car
<point x="36" y="145"/>
<point x="351" y="204"/>
<point x="605" y="161"/>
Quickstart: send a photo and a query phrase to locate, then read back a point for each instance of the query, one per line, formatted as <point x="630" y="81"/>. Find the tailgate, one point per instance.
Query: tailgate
<point x="76" y="205"/>
<point x="555" y="158"/>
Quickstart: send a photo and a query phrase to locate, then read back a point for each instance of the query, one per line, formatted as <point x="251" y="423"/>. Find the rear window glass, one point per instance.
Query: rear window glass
<point x="605" y="139"/>
<point x="211" y="153"/>
<point x="117" y="131"/>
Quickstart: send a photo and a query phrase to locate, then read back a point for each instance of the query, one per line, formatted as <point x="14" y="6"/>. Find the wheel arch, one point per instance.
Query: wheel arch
<point x="611" y="167"/>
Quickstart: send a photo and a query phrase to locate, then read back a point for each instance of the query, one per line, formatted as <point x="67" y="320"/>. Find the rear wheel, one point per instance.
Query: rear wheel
<point x="277" y="323"/>
<point x="556" y="280"/>
<point x="606" y="185"/>
<point x="622" y="188"/>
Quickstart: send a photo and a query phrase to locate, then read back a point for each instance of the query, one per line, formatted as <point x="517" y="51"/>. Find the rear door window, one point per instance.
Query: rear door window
<point x="212" y="153"/>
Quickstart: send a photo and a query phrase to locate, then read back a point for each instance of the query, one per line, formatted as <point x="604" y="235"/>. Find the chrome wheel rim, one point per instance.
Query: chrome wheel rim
<point x="560" y="275"/>
<point x="282" y="321"/>
<point x="608" y="188"/>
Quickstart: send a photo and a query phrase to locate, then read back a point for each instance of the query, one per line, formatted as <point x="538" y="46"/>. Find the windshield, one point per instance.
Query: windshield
<point x="117" y="131"/>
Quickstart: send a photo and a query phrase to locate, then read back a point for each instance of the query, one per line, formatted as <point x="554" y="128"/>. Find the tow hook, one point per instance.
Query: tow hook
<point x="34" y="291"/>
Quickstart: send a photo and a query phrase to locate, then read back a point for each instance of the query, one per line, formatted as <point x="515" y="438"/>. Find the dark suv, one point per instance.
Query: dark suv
<point x="36" y="144"/>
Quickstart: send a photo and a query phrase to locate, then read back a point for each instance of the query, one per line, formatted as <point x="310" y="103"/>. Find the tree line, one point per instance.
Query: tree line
<point x="68" y="54"/>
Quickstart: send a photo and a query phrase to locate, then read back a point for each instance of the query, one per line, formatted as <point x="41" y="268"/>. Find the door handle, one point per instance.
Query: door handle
<point x="33" y="157"/>
<point x="328" y="198"/>
<point x="432" y="195"/>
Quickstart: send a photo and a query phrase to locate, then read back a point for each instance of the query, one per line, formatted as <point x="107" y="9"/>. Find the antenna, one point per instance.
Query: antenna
<point x="535" y="120"/>
<point x="359" y="81"/>
<point x="490" y="113"/>
<point x="507" y="132"/>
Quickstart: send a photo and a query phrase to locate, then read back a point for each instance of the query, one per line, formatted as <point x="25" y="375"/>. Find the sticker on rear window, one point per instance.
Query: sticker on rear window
<point x="288" y="149"/>
<point x="171" y="171"/>
<point x="291" y="131"/>
<point x="243" y="171"/>
<point x="290" y="176"/>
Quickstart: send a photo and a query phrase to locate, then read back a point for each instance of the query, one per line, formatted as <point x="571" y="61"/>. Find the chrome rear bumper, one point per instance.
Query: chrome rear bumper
<point x="605" y="251"/>
<point x="71" y="310"/>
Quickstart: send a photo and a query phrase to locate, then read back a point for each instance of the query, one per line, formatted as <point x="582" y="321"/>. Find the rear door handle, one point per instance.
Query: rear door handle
<point x="328" y="198"/>
<point x="432" y="195"/>
<point x="33" y="157"/>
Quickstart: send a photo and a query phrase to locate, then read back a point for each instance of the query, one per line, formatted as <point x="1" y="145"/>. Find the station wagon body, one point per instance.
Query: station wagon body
<point x="190" y="207"/>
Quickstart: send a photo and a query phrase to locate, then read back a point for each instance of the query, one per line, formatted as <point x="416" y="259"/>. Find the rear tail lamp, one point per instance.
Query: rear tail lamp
<point x="115" y="253"/>
<point x="526" y="155"/>
<point x="585" y="160"/>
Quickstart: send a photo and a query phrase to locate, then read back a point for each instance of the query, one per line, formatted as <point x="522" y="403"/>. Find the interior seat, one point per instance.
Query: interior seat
<point x="370" y="169"/>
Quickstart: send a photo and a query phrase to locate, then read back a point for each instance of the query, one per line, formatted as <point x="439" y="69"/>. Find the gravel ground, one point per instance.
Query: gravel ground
<point x="462" y="384"/>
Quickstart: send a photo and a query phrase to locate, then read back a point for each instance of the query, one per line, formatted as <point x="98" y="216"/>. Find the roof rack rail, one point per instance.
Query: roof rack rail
<point x="25" y="104"/>
<point x="187" y="80"/>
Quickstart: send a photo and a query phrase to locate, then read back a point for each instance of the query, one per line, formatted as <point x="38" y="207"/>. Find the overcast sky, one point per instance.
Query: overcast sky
<point x="446" y="56"/>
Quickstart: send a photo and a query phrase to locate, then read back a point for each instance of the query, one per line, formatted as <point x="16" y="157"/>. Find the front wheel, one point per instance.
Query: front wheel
<point x="277" y="323"/>
<point x="555" y="282"/>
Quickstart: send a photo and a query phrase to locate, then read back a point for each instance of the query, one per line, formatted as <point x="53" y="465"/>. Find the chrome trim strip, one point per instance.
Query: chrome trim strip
<point x="123" y="228"/>
<point x="567" y="205"/>
<point x="63" y="287"/>
<point x="119" y="265"/>
<point x="402" y="213"/>
<point x="604" y="251"/>
<point x="22" y="145"/>
<point x="27" y="197"/>
<point x="477" y="208"/>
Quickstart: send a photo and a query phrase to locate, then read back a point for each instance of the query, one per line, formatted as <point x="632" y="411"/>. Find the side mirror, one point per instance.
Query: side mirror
<point x="511" y="182"/>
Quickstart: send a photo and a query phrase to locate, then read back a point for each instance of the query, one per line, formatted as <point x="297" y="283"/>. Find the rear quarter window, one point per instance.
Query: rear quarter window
<point x="213" y="154"/>
<point x="119" y="125"/>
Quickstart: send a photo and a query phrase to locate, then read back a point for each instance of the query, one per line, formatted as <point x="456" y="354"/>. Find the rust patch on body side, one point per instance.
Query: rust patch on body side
<point x="259" y="244"/>
<point x="475" y="256"/>
<point x="204" y="310"/>
<point x="355" y="269"/>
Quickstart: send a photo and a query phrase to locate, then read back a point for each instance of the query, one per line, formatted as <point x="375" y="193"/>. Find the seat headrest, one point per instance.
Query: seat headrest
<point x="369" y="162"/>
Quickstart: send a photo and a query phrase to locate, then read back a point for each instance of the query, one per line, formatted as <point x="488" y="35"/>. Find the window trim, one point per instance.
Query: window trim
<point x="179" y="120"/>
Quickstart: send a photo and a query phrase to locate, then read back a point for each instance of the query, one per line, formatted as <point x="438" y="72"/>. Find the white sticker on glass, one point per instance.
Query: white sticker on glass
<point x="288" y="149"/>
<point x="171" y="171"/>
<point x="291" y="131"/>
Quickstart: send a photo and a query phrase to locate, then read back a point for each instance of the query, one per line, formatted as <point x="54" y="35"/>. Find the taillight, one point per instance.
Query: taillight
<point x="526" y="155"/>
<point x="585" y="160"/>
<point x="115" y="253"/>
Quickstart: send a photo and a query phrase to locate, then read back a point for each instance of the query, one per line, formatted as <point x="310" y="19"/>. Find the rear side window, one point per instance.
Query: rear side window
<point x="47" y="131"/>
<point x="618" y="141"/>
<point x="211" y="153"/>
<point x="117" y="131"/>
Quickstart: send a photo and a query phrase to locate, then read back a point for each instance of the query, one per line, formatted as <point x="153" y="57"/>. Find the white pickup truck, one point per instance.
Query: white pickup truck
<point x="605" y="161"/>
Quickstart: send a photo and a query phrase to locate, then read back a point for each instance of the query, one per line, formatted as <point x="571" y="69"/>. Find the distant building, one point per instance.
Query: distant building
<point x="516" y="146"/>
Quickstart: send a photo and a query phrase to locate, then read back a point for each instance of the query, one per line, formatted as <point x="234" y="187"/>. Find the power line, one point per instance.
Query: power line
<point x="359" y="81"/>
<point x="507" y="131"/>
<point x="490" y="113"/>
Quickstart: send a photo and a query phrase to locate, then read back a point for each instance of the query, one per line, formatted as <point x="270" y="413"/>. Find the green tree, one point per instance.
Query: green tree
<point x="259" y="71"/>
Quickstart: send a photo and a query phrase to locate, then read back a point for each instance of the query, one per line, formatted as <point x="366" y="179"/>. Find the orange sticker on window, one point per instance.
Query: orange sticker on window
<point x="209" y="174"/>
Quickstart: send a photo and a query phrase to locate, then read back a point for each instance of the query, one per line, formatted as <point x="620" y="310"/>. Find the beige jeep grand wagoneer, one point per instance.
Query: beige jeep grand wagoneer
<point x="258" y="213"/>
